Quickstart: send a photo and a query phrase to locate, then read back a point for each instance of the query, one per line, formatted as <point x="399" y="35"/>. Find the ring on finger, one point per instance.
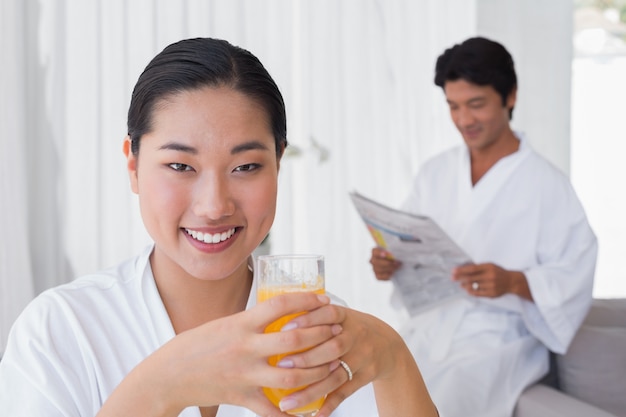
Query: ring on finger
<point x="347" y="369"/>
<point x="475" y="286"/>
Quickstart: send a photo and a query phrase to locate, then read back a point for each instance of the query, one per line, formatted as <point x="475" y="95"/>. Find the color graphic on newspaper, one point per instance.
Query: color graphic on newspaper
<point x="427" y="253"/>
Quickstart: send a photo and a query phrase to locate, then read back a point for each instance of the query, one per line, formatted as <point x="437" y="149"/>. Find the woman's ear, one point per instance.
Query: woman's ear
<point x="131" y="164"/>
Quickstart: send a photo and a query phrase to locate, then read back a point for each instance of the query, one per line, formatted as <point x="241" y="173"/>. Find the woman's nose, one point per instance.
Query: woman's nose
<point x="212" y="198"/>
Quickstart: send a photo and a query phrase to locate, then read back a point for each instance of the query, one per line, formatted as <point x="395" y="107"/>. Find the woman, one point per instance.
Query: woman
<point x="175" y="331"/>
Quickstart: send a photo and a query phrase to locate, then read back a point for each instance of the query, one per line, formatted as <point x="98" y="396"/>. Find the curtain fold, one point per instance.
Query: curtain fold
<point x="16" y="282"/>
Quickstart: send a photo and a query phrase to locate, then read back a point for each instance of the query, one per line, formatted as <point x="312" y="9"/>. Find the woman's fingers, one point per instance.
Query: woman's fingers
<point x="300" y="342"/>
<point x="282" y="305"/>
<point x="301" y="332"/>
<point x="291" y="378"/>
<point x="328" y="314"/>
<point x="307" y="335"/>
<point x="355" y="348"/>
<point x="335" y="384"/>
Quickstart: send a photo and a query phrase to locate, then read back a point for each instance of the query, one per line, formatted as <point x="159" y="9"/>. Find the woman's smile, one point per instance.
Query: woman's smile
<point x="212" y="242"/>
<point x="207" y="237"/>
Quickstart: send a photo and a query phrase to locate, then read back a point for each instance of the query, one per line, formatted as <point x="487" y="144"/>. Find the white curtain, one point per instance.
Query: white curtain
<point x="16" y="283"/>
<point x="362" y="110"/>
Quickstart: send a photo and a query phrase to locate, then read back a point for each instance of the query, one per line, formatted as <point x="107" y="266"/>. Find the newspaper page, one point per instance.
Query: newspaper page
<point x="427" y="253"/>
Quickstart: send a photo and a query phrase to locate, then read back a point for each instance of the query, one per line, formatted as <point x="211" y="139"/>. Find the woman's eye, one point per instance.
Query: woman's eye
<point x="247" y="167"/>
<point x="180" y="167"/>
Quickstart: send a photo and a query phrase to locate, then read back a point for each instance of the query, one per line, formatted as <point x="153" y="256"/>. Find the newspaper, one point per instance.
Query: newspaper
<point x="427" y="253"/>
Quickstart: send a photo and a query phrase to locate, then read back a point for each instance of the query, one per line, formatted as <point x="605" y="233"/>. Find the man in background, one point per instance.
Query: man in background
<point x="519" y="219"/>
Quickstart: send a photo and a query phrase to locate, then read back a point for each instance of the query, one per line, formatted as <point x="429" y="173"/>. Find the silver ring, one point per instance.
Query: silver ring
<point x="475" y="286"/>
<point x="347" y="368"/>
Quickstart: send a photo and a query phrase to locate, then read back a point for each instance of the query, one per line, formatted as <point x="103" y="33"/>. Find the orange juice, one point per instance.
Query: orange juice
<point x="277" y="394"/>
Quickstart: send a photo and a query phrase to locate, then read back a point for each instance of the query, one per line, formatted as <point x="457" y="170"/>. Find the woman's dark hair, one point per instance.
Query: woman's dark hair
<point x="479" y="61"/>
<point x="195" y="63"/>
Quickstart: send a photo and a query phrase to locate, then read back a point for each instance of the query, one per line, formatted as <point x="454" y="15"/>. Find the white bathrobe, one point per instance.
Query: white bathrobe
<point x="74" y="344"/>
<point x="478" y="354"/>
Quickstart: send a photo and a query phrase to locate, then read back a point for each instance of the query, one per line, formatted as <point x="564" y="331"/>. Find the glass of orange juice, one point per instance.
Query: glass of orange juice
<point x="280" y="274"/>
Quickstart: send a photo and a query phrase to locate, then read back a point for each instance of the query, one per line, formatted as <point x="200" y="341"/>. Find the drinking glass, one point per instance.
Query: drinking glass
<point x="280" y="274"/>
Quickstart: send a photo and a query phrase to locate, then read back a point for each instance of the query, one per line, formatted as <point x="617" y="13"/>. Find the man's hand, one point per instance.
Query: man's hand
<point x="383" y="263"/>
<point x="490" y="280"/>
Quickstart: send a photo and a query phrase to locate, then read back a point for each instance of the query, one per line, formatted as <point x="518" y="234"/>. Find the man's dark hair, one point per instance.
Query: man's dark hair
<point x="479" y="61"/>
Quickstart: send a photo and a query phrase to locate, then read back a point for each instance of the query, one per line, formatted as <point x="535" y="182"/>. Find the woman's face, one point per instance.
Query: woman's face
<point x="206" y="177"/>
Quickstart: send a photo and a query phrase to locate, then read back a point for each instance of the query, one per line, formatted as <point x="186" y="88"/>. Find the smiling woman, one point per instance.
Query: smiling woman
<point x="175" y="330"/>
<point x="194" y="178"/>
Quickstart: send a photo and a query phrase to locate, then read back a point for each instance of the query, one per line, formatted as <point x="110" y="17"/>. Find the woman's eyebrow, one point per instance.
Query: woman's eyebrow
<point x="175" y="146"/>
<point x="249" y="146"/>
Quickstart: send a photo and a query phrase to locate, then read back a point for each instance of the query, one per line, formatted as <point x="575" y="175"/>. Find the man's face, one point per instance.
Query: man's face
<point x="478" y="113"/>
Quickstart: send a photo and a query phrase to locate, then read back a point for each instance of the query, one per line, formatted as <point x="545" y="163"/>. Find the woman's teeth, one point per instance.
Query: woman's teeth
<point x="210" y="238"/>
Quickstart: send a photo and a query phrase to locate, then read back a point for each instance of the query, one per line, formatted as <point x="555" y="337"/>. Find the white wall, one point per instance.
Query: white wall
<point x="538" y="34"/>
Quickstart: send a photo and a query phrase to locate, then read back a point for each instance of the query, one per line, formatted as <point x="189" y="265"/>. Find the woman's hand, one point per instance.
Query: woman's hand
<point x="374" y="352"/>
<point x="225" y="362"/>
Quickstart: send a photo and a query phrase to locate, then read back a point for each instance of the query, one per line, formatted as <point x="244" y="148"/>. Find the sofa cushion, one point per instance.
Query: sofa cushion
<point x="594" y="367"/>
<point x="608" y="312"/>
<point x="542" y="401"/>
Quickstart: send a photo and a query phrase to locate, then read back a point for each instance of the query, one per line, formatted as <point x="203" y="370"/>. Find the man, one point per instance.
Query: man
<point x="520" y="221"/>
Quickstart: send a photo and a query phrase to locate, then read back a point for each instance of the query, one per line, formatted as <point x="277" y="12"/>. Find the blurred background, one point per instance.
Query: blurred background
<point x="363" y="114"/>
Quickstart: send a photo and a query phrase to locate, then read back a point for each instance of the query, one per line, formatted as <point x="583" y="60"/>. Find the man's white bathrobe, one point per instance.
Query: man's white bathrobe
<point x="478" y="354"/>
